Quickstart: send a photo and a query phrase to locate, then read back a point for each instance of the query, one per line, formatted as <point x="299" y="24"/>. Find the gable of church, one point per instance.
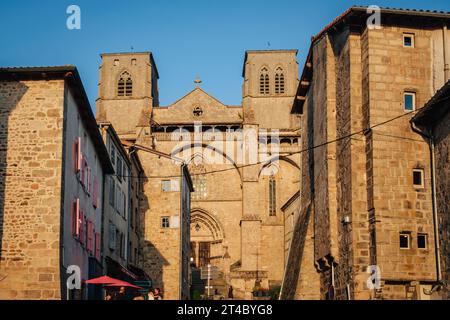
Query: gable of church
<point x="197" y="105"/>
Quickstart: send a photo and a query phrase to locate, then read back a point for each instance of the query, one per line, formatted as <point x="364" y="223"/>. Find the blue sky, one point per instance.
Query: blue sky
<point x="187" y="38"/>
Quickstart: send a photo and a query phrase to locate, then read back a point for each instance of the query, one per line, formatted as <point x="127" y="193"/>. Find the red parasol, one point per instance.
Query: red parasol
<point x="120" y="283"/>
<point x="111" y="282"/>
<point x="101" y="280"/>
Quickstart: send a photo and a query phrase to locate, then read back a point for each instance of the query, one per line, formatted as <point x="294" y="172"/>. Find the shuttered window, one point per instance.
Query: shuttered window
<point x="112" y="237"/>
<point x="90" y="236"/>
<point x="98" y="246"/>
<point x="77" y="154"/>
<point x="75" y="218"/>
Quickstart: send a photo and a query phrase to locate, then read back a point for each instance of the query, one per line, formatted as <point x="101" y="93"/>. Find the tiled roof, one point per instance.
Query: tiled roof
<point x="70" y="74"/>
<point x="401" y="11"/>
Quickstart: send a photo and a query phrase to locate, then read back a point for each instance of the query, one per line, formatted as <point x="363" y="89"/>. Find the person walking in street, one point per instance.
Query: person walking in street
<point x="230" y="293"/>
<point x="121" y="294"/>
<point x="150" y="295"/>
<point x="158" y="294"/>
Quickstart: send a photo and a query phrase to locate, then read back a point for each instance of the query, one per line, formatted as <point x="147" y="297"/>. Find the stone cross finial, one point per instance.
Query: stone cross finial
<point x="197" y="81"/>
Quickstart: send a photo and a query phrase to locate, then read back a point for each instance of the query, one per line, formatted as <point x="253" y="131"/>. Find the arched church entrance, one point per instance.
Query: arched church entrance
<point x="206" y="239"/>
<point x="206" y="249"/>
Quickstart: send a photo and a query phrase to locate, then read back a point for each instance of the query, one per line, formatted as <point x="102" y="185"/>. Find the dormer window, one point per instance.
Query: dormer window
<point x="264" y="82"/>
<point x="125" y="85"/>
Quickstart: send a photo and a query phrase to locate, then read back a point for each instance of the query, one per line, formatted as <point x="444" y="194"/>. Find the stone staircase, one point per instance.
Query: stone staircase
<point x="219" y="285"/>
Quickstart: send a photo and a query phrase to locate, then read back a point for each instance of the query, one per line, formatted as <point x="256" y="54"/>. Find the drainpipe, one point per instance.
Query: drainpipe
<point x="446" y="66"/>
<point x="439" y="283"/>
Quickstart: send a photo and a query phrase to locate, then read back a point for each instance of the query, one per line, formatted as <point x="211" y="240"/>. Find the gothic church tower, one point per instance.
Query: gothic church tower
<point x="128" y="90"/>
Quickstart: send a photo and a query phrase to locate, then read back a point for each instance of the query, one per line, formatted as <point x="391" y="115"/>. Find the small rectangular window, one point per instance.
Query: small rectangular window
<point x="408" y="40"/>
<point x="418" y="177"/>
<point x="133" y="62"/>
<point x="422" y="241"/>
<point x="409" y="101"/>
<point x="119" y="167"/>
<point x="170" y="185"/>
<point x="165" y="222"/>
<point x="113" y="155"/>
<point x="112" y="236"/>
<point x="116" y="62"/>
<point x="112" y="192"/>
<point x="165" y="185"/>
<point x="404" y="240"/>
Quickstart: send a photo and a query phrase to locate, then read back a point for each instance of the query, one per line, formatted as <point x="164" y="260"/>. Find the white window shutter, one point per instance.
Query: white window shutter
<point x="174" y="185"/>
<point x="174" y="222"/>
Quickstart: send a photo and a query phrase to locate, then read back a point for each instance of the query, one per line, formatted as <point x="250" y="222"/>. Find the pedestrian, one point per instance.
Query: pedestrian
<point x="230" y="292"/>
<point x="150" y="295"/>
<point x="108" y="296"/>
<point x="121" y="294"/>
<point x="157" y="294"/>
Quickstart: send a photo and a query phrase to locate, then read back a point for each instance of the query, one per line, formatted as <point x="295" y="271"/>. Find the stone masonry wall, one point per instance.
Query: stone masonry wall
<point x="442" y="158"/>
<point x="398" y="205"/>
<point x="31" y="114"/>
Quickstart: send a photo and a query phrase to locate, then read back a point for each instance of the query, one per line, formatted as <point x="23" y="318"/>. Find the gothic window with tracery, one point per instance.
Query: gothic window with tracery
<point x="198" y="181"/>
<point x="279" y="80"/>
<point x="272" y="196"/>
<point x="264" y="82"/>
<point x="125" y="85"/>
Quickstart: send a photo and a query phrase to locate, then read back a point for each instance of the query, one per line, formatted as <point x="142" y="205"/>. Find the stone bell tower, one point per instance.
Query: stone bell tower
<point x="270" y="84"/>
<point x="127" y="90"/>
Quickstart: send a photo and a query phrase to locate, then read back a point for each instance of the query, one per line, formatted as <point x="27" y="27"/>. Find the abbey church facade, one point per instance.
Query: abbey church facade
<point x="243" y="163"/>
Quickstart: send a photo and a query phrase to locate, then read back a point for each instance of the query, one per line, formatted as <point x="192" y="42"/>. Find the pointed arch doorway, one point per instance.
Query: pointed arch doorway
<point x="206" y="239"/>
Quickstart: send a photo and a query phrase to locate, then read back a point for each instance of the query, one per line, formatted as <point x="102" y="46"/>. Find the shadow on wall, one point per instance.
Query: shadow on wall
<point x="154" y="261"/>
<point x="11" y="92"/>
<point x="292" y="272"/>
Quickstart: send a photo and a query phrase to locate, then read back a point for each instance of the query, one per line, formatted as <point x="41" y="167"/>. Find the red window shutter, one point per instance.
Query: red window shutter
<point x="82" y="169"/>
<point x="98" y="246"/>
<point x="77" y="154"/>
<point x="89" y="235"/>
<point x="75" y="217"/>
<point x="91" y="238"/>
<point x="88" y="178"/>
<point x="90" y="182"/>
<point x="82" y="228"/>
